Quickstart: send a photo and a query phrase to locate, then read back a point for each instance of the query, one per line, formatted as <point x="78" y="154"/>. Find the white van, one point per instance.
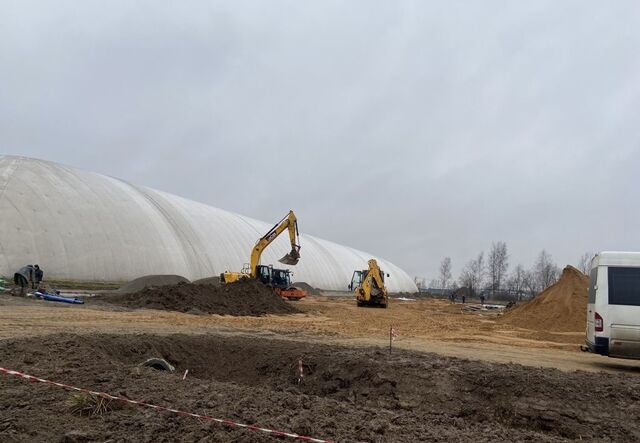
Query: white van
<point x="613" y="310"/>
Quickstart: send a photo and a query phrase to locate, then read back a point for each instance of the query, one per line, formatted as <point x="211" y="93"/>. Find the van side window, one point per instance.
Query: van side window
<point x="624" y="286"/>
<point x="593" y="281"/>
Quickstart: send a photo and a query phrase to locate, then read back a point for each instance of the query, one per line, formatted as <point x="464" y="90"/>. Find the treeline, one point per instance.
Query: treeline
<point x="491" y="275"/>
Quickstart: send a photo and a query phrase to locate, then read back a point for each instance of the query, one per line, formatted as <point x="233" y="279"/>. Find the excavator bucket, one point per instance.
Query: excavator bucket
<point x="291" y="258"/>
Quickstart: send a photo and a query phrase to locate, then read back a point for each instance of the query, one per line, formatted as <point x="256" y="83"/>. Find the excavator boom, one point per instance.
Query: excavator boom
<point x="289" y="223"/>
<point x="278" y="279"/>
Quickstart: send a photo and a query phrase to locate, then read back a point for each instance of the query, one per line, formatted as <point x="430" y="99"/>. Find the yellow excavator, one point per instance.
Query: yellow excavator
<point x="368" y="286"/>
<point x="278" y="279"/>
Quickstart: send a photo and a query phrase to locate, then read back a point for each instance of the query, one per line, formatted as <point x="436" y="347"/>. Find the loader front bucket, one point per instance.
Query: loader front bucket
<point x="291" y="258"/>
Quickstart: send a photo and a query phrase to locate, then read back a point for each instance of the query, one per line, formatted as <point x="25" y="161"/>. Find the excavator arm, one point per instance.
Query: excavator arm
<point x="374" y="275"/>
<point x="372" y="291"/>
<point x="289" y="223"/>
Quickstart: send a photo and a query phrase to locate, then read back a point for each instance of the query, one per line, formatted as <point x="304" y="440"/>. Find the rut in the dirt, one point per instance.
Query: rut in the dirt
<point x="345" y="394"/>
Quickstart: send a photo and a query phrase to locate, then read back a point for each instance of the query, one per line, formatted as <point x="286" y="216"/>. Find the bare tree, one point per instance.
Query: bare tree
<point x="478" y="268"/>
<point x="497" y="264"/>
<point x="529" y="283"/>
<point x="445" y="272"/>
<point x="545" y="271"/>
<point x="584" y="262"/>
<point x="466" y="278"/>
<point x="434" y="283"/>
<point x="518" y="281"/>
<point x="472" y="274"/>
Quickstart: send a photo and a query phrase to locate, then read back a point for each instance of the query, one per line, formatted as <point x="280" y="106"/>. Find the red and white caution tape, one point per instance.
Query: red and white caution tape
<point x="163" y="408"/>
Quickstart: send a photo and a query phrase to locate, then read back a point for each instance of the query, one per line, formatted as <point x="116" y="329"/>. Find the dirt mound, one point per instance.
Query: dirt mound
<point x="207" y="281"/>
<point x="150" y="281"/>
<point x="345" y="394"/>
<point x="307" y="287"/>
<point x="561" y="307"/>
<point x="247" y="297"/>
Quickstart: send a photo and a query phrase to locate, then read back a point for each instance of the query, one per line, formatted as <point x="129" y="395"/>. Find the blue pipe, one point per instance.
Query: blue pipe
<point x="50" y="297"/>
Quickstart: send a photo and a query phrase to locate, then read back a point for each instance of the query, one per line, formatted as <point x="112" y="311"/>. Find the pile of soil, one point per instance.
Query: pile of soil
<point x="561" y="307"/>
<point x="246" y="297"/>
<point x="149" y="281"/>
<point x="307" y="287"/>
<point x="345" y="394"/>
<point x="207" y="281"/>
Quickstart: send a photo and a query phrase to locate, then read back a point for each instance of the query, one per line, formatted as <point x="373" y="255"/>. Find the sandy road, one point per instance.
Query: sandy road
<point x="427" y="326"/>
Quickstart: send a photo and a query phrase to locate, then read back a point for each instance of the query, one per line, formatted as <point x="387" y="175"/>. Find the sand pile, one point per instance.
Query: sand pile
<point x="307" y="287"/>
<point x="562" y="307"/>
<point x="247" y="297"/>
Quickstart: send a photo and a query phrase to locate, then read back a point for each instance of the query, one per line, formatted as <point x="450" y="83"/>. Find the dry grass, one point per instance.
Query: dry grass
<point x="89" y="404"/>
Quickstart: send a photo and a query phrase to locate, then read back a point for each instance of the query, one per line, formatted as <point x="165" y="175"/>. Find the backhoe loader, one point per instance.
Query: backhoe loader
<point x="278" y="279"/>
<point x="368" y="286"/>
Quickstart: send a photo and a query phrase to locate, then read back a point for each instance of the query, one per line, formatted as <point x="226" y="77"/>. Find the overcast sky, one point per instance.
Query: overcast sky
<point x="410" y="129"/>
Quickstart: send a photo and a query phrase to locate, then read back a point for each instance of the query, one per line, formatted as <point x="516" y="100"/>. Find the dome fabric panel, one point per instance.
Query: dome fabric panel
<point x="85" y="226"/>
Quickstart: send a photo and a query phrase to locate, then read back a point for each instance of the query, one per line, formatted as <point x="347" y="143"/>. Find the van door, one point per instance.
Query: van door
<point x="623" y="318"/>
<point x="591" y="306"/>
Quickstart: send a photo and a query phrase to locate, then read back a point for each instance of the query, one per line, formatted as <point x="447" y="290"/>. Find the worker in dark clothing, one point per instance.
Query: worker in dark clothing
<point x="24" y="277"/>
<point x="38" y="274"/>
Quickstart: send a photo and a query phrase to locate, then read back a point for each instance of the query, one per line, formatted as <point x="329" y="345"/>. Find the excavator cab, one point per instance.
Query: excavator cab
<point x="356" y="279"/>
<point x="281" y="278"/>
<point x="280" y="281"/>
<point x="276" y="278"/>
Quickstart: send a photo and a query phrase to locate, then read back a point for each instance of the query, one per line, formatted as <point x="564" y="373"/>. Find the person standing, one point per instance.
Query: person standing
<point x="24" y="277"/>
<point x="38" y="274"/>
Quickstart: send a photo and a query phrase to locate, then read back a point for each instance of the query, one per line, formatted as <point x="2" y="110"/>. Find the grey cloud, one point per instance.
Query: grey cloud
<point x="410" y="129"/>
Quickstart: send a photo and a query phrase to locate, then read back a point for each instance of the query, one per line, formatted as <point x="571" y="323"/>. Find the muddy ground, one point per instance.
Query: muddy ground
<point x="243" y="368"/>
<point x="347" y="394"/>
<point x="425" y="326"/>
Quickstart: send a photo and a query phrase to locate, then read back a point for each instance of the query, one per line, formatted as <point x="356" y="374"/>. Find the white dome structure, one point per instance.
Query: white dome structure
<point x="85" y="226"/>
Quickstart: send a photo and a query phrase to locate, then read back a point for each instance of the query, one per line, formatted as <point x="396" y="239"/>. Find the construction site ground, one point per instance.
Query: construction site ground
<point x="453" y="375"/>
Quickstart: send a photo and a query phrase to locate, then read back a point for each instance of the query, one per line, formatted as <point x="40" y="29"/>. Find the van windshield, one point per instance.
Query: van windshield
<point x="624" y="286"/>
